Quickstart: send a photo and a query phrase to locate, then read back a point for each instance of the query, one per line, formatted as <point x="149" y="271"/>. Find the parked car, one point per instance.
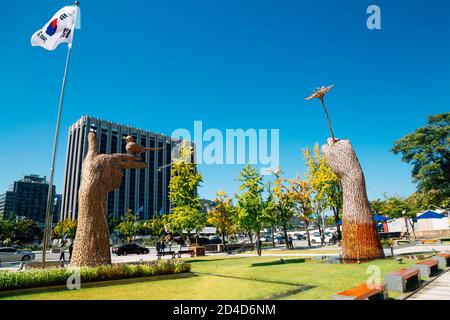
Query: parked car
<point x="216" y="241"/>
<point x="299" y="236"/>
<point x="12" y="255"/>
<point x="315" y="238"/>
<point x="128" y="248"/>
<point x="280" y="240"/>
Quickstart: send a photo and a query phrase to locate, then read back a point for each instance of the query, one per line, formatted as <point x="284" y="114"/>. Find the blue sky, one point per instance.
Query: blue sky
<point x="161" y="65"/>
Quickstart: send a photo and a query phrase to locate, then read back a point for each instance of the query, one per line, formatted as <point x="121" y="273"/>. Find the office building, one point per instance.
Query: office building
<point x="27" y="198"/>
<point x="145" y="191"/>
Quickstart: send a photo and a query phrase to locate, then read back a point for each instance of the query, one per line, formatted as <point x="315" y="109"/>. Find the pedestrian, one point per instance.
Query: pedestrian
<point x="158" y="248"/>
<point x="163" y="245"/>
<point x="290" y="243"/>
<point x="258" y="246"/>
<point x="70" y="251"/>
<point x="62" y="256"/>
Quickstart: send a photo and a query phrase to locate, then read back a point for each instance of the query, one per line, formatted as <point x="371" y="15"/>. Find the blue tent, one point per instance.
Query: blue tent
<point x="430" y="215"/>
<point x="377" y="218"/>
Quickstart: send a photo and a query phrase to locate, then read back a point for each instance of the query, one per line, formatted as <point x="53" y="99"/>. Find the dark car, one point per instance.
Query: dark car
<point x="128" y="248"/>
<point x="216" y="241"/>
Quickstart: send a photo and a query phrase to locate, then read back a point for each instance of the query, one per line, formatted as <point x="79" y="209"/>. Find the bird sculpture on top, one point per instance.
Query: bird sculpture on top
<point x="135" y="149"/>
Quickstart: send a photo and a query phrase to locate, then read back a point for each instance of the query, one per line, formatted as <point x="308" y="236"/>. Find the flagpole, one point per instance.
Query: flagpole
<point x="50" y="199"/>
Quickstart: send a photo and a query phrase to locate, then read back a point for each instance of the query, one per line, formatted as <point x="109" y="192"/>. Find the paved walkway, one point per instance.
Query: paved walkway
<point x="438" y="289"/>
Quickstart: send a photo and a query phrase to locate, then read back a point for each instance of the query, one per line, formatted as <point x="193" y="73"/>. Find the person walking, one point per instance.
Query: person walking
<point x="290" y="243"/>
<point x="258" y="244"/>
<point x="70" y="251"/>
<point x="158" y="248"/>
<point x="62" y="256"/>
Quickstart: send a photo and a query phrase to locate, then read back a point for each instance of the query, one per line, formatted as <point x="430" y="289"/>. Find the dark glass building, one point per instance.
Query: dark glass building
<point x="144" y="191"/>
<point x="28" y="198"/>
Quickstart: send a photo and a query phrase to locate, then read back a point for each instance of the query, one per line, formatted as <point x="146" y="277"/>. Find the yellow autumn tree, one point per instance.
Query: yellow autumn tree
<point x="222" y="216"/>
<point x="301" y="195"/>
<point x="325" y="184"/>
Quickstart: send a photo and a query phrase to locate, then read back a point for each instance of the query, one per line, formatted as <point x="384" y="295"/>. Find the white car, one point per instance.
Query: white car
<point x="14" y="255"/>
<point x="315" y="238"/>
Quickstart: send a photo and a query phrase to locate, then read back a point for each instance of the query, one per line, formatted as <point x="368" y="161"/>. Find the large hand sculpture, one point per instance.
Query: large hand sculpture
<point x="360" y="240"/>
<point x="101" y="173"/>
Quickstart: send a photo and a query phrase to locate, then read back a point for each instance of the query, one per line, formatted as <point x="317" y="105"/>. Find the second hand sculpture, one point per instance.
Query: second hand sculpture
<point x="360" y="239"/>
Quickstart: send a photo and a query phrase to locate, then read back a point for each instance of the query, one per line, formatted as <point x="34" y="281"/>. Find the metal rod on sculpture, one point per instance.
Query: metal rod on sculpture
<point x="50" y="199"/>
<point x="328" y="118"/>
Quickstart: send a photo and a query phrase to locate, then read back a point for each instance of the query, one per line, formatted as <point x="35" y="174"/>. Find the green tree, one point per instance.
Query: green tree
<point x="301" y="195"/>
<point x="428" y="150"/>
<point x="66" y="228"/>
<point x="185" y="214"/>
<point x="250" y="204"/>
<point x="129" y="227"/>
<point x="25" y="231"/>
<point x="269" y="217"/>
<point x="283" y="206"/>
<point x="222" y="216"/>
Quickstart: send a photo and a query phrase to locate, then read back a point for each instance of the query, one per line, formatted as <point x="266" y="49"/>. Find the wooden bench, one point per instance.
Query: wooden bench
<point x="191" y="252"/>
<point x="427" y="268"/>
<point x="443" y="259"/>
<point x="166" y="253"/>
<point x="363" y="292"/>
<point x="403" y="280"/>
<point x="431" y="241"/>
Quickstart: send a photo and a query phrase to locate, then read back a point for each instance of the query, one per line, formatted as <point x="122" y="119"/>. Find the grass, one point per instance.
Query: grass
<point x="297" y="252"/>
<point x="238" y="278"/>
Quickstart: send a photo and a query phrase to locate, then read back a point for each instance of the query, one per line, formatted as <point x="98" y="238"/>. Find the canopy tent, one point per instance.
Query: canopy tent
<point x="430" y="215"/>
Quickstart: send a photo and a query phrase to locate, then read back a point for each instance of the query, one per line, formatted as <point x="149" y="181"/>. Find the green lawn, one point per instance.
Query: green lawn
<point x="239" y="278"/>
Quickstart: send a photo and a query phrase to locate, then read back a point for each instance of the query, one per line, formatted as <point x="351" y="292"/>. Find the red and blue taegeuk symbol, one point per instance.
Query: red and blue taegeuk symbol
<point x="52" y="26"/>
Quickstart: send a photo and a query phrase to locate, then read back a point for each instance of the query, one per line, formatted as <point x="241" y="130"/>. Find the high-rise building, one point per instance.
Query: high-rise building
<point x="144" y="191"/>
<point x="27" y="198"/>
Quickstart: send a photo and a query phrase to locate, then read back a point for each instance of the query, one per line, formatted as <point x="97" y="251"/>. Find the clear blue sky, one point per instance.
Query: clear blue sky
<point x="161" y="65"/>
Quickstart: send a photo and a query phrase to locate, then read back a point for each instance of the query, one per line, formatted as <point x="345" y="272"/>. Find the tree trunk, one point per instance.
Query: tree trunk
<point x="251" y="237"/>
<point x="308" y="236"/>
<point x="336" y="220"/>
<point x="285" y="236"/>
<point x="360" y="239"/>
<point x="223" y="241"/>
<point x="273" y="238"/>
<point x="101" y="174"/>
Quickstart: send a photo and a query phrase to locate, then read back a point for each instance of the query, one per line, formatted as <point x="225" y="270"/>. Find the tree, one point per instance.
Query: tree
<point x="428" y="150"/>
<point x="250" y="203"/>
<point x="65" y="228"/>
<point x="185" y="214"/>
<point x="269" y="216"/>
<point x="301" y="195"/>
<point x="222" y="216"/>
<point x="283" y="203"/>
<point x="25" y="231"/>
<point x="129" y="226"/>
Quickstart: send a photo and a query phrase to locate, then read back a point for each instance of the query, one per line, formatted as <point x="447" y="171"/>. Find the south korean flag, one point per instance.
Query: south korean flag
<point x="59" y="29"/>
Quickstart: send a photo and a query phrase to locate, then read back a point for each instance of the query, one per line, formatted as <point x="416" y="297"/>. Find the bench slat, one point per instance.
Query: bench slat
<point x="406" y="273"/>
<point x="362" y="291"/>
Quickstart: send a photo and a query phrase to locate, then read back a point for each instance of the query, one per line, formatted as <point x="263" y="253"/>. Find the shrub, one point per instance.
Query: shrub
<point x="31" y="278"/>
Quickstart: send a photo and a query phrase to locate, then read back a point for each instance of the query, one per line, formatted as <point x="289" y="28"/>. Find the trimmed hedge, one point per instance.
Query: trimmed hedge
<point x="32" y="278"/>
